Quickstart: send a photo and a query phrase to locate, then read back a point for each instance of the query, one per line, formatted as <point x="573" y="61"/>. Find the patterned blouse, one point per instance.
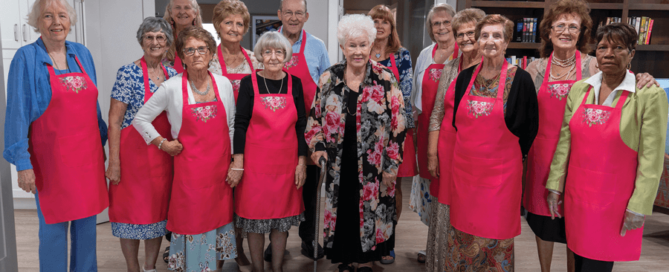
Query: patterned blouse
<point x="381" y="120"/>
<point x="404" y="66"/>
<point x="129" y="89"/>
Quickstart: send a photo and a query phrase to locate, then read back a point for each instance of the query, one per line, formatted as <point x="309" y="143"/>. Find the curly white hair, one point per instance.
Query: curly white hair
<point x="355" y="25"/>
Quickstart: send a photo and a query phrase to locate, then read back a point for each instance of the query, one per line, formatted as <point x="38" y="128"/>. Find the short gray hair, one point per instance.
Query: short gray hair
<point x="36" y="13"/>
<point x="273" y="39"/>
<point x="305" y="5"/>
<point x="155" y="24"/>
<point x="355" y="25"/>
<point x="437" y="8"/>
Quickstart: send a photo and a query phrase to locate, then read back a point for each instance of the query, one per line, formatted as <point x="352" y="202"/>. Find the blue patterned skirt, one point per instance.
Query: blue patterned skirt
<point x="139" y="232"/>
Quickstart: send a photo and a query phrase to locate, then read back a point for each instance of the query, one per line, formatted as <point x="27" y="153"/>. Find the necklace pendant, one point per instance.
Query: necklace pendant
<point x="378" y="56"/>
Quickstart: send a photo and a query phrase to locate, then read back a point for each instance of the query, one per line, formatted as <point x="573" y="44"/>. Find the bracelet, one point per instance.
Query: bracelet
<point x="237" y="169"/>
<point x="161" y="143"/>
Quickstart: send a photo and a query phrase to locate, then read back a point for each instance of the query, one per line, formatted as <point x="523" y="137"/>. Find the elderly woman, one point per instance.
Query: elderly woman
<point x="55" y="146"/>
<point x="358" y="123"/>
<point x="496" y="117"/>
<point x="608" y="118"/>
<point x="270" y="152"/>
<point x="565" y="37"/>
<point x="442" y="135"/>
<point x="200" y="108"/>
<point x="180" y="14"/>
<point x="388" y="51"/>
<point x="231" y="20"/>
<point x="138" y="205"/>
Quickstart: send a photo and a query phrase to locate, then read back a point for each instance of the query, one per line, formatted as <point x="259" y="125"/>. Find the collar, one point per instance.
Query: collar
<point x="43" y="56"/>
<point x="628" y="84"/>
<point x="339" y="73"/>
<point x="299" y="40"/>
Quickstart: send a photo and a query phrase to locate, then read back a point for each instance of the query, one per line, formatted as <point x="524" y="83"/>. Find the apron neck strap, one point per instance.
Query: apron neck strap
<point x="184" y="87"/>
<point x="502" y="79"/>
<point x="221" y="60"/>
<point x="145" y="75"/>
<point x="547" y="74"/>
<point x="256" y="90"/>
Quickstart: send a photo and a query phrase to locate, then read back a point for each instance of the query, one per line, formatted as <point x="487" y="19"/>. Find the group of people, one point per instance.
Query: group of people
<point x="209" y="144"/>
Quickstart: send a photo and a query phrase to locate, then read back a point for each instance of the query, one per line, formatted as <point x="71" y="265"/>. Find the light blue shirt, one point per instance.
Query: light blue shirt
<point x="315" y="53"/>
<point x="29" y="94"/>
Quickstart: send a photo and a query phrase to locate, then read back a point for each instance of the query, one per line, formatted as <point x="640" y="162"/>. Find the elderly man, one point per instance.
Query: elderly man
<point x="309" y="61"/>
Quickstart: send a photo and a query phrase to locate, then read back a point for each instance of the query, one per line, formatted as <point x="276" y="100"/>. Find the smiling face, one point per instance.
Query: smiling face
<point x="383" y="28"/>
<point x="466" y="39"/>
<point x="492" y="42"/>
<point x="441" y="27"/>
<point x="273" y="59"/>
<point x="613" y="56"/>
<point x="357" y="50"/>
<point x="183" y="13"/>
<point x="293" y="14"/>
<point x="232" y="29"/>
<point x="154" y="44"/>
<point x="197" y="61"/>
<point x="565" y="31"/>
<point x="54" y="23"/>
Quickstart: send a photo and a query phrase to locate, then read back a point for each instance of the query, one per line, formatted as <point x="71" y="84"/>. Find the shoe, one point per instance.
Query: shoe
<point x="385" y="261"/>
<point x="365" y="269"/>
<point x="421" y="257"/>
<point x="152" y="270"/>
<point x="346" y="268"/>
<point x="268" y="253"/>
<point x="308" y="250"/>
<point x="166" y="254"/>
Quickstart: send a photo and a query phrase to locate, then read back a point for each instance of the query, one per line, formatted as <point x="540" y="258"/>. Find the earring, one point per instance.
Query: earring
<point x="629" y="65"/>
<point x="597" y="66"/>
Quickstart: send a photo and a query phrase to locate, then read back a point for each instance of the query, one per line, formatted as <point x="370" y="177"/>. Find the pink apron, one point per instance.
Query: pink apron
<point x="298" y="67"/>
<point x="178" y="65"/>
<point x="602" y="171"/>
<point x="487" y="167"/>
<point x="143" y="195"/>
<point x="66" y="150"/>
<point x="408" y="168"/>
<point x="270" y="158"/>
<point x="234" y="78"/>
<point x="552" y="98"/>
<point x="429" y="94"/>
<point x="201" y="198"/>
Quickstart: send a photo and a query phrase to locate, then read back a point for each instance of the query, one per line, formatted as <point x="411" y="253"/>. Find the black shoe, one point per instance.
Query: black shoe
<point x="308" y="250"/>
<point x="268" y="253"/>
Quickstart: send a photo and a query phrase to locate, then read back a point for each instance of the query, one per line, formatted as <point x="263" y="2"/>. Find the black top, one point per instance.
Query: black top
<point x="522" y="107"/>
<point x="245" y="109"/>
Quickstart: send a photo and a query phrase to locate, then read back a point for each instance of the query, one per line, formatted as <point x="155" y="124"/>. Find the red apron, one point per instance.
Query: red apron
<point x="66" y="150"/>
<point x="429" y="87"/>
<point x="446" y="145"/>
<point x="201" y="198"/>
<point x="552" y="98"/>
<point x="408" y="167"/>
<point x="602" y="171"/>
<point x="234" y="78"/>
<point x="178" y="65"/>
<point x="143" y="195"/>
<point x="270" y="158"/>
<point x="487" y="167"/>
<point x="298" y="67"/>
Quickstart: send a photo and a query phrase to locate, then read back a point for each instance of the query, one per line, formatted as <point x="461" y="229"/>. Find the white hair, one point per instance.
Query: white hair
<point x="355" y="25"/>
<point x="36" y="12"/>
<point x="275" y="40"/>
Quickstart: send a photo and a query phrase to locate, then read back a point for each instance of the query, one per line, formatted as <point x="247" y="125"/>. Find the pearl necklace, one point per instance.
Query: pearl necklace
<point x="570" y="62"/>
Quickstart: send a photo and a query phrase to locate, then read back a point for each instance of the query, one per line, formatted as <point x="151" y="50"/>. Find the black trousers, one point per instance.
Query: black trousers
<point x="310" y="196"/>
<point x="584" y="264"/>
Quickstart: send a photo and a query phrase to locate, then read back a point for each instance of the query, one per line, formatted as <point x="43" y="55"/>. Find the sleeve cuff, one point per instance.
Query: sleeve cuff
<point x="320" y="147"/>
<point x="23" y="165"/>
<point x="639" y="214"/>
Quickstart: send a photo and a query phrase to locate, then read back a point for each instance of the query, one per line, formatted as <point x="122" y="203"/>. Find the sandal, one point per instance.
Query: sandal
<point x="388" y="261"/>
<point x="166" y="254"/>
<point x="421" y="257"/>
<point x="345" y="267"/>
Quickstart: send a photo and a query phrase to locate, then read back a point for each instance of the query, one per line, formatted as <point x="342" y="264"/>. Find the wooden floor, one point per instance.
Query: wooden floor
<point x="411" y="237"/>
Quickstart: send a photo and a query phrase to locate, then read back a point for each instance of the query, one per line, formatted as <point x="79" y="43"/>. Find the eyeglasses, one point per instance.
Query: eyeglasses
<point x="439" y="24"/>
<point x="298" y="14"/>
<point x="159" y="38"/>
<point x="202" y="50"/>
<point x="462" y="35"/>
<point x="270" y="52"/>
<point x="562" y="27"/>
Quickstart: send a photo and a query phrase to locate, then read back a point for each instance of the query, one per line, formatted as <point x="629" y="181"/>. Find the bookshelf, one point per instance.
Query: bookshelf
<point x="652" y="58"/>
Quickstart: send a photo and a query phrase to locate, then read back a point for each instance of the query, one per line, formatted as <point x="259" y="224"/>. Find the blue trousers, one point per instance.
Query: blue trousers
<point x="53" y="244"/>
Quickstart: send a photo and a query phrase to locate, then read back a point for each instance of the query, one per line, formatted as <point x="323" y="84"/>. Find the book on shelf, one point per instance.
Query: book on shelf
<point x="526" y="30"/>
<point x="534" y="29"/>
<point x="644" y="28"/>
<point x="521" y="62"/>
<point x="518" y="31"/>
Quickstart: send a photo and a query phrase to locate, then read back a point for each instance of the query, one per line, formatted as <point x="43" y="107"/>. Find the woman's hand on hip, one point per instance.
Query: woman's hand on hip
<point x="172" y="147"/>
<point x="317" y="155"/>
<point x="632" y="221"/>
<point x="114" y="172"/>
<point x="27" y="180"/>
<point x="433" y="165"/>
<point x="300" y="175"/>
<point x="389" y="179"/>
<point x="554" y="202"/>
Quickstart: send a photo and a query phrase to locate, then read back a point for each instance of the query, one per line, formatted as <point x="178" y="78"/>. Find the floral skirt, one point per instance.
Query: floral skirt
<point x="139" y="232"/>
<point x="437" y="236"/>
<point x="200" y="252"/>
<point x="469" y="253"/>
<point x="421" y="199"/>
<point x="267" y="225"/>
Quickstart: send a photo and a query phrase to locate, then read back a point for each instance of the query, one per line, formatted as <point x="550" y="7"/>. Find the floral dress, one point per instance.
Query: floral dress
<point x="380" y="132"/>
<point x="129" y="89"/>
<point x="196" y="253"/>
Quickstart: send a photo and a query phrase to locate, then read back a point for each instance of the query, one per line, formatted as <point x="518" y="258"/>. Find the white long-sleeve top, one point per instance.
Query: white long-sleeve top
<point x="169" y="98"/>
